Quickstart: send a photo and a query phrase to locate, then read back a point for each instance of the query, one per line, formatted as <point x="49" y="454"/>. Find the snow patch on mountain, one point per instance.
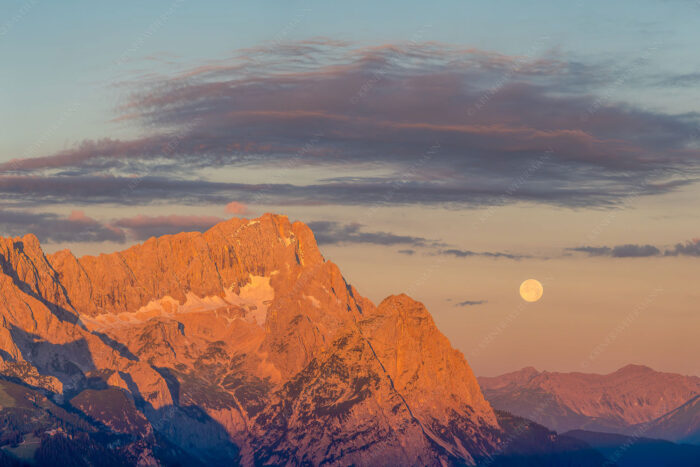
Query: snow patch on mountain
<point x="253" y="299"/>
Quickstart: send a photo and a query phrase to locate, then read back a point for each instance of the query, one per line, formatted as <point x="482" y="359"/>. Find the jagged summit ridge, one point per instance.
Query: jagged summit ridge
<point x="205" y="264"/>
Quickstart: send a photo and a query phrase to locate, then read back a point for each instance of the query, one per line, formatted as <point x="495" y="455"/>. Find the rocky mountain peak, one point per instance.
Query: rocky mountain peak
<point x="204" y="264"/>
<point x="218" y="330"/>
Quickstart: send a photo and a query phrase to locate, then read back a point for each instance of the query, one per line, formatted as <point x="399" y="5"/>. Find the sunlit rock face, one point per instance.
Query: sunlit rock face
<point x="240" y="343"/>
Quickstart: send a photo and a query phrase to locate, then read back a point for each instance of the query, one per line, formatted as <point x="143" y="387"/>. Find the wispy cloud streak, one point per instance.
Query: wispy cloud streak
<point x="689" y="248"/>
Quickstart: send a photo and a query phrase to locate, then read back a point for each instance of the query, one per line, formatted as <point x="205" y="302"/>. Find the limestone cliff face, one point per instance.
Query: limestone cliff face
<point x="435" y="378"/>
<point x="31" y="296"/>
<point x="247" y="334"/>
<point x="44" y="342"/>
<point x="175" y="265"/>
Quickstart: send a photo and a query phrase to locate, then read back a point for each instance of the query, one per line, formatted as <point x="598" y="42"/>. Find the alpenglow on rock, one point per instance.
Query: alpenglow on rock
<point x="237" y="345"/>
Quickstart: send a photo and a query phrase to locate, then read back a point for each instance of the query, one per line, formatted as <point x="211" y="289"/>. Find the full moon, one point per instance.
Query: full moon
<point x="531" y="290"/>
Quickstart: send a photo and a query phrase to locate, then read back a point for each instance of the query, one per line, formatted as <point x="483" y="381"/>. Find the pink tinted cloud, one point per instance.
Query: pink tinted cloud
<point x="235" y="207"/>
<point x="109" y="232"/>
<point x="79" y="216"/>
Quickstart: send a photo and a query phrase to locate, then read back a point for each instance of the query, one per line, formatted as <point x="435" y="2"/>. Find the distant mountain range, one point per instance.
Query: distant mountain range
<point x="634" y="400"/>
<point x="238" y="346"/>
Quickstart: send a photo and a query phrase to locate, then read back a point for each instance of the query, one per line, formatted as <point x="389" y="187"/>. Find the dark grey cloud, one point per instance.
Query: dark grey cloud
<point x="592" y="250"/>
<point x="33" y="190"/>
<point x="634" y="251"/>
<point x="324" y="103"/>
<point x="491" y="254"/>
<point x="471" y="303"/>
<point x="620" y="251"/>
<point x="690" y="248"/>
<point x="52" y="228"/>
<point x="684" y="80"/>
<point x="78" y="227"/>
<point x="335" y="233"/>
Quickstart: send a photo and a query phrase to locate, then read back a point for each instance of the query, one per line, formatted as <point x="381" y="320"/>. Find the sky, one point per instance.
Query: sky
<point x="449" y="152"/>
